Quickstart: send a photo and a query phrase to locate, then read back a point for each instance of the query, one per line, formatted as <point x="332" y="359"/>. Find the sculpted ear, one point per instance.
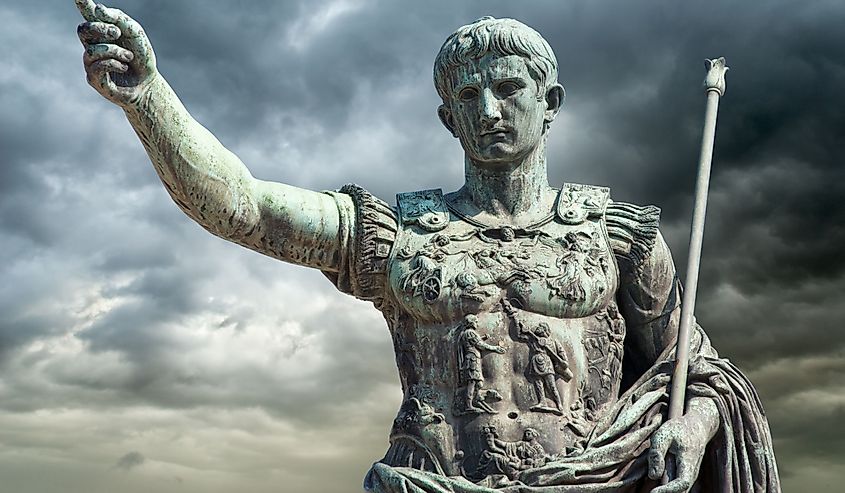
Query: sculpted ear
<point x="554" y="100"/>
<point x="445" y="115"/>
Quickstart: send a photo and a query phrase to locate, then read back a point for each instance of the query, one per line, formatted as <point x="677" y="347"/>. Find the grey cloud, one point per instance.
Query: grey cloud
<point x="130" y="461"/>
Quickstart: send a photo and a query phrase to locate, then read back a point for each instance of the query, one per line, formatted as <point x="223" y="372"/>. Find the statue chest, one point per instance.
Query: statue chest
<point x="559" y="270"/>
<point x="501" y="335"/>
<point x="513" y="333"/>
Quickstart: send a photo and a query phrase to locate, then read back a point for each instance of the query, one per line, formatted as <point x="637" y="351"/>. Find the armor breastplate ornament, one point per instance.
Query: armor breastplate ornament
<point x="508" y="342"/>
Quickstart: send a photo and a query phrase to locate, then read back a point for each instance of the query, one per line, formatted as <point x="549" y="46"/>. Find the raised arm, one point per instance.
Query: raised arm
<point x="208" y="182"/>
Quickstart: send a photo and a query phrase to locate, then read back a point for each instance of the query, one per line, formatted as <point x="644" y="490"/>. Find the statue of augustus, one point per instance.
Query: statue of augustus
<point x="534" y="326"/>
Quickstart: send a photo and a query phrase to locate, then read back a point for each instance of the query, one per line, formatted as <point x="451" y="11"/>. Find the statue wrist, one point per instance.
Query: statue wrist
<point x="149" y="91"/>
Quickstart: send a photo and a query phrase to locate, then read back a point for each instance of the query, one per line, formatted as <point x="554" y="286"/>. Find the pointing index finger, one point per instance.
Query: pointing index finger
<point x="86" y="8"/>
<point x="116" y="17"/>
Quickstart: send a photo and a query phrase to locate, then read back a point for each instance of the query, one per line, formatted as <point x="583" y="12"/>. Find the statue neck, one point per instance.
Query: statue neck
<point x="516" y="193"/>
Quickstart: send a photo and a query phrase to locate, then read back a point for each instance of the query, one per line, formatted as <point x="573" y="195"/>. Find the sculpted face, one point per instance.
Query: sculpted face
<point x="495" y="110"/>
<point x="530" y="435"/>
<point x="543" y="330"/>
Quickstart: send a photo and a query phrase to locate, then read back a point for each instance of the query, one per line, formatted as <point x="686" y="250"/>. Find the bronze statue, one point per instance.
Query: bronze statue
<point x="542" y="320"/>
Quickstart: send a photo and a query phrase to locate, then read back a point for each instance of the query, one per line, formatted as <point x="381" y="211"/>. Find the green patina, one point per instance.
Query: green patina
<point x="534" y="326"/>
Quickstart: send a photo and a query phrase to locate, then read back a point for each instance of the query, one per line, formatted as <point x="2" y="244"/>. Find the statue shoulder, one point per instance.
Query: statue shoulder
<point x="376" y="226"/>
<point x="424" y="208"/>
<point x="633" y="231"/>
<point x="371" y="227"/>
<point x="577" y="202"/>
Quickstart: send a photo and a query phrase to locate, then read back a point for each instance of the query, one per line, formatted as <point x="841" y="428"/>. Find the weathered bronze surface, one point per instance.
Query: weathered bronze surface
<point x="533" y="326"/>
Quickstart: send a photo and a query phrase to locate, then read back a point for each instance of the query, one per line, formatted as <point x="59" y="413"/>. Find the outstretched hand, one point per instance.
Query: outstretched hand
<point x="119" y="59"/>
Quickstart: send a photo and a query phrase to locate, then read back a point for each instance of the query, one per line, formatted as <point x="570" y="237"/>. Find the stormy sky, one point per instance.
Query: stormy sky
<point x="138" y="352"/>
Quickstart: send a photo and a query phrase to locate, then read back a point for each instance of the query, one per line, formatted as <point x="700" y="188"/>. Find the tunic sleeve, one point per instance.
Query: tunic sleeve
<point x="649" y="291"/>
<point x="649" y="294"/>
<point x="367" y="232"/>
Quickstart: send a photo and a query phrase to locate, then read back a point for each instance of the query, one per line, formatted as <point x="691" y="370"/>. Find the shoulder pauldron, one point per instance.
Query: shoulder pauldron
<point x="425" y="208"/>
<point x="632" y="230"/>
<point x="374" y="235"/>
<point x="576" y="202"/>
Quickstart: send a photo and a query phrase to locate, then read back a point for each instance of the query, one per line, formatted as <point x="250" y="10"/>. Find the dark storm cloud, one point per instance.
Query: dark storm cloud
<point x="112" y="300"/>
<point x="130" y="461"/>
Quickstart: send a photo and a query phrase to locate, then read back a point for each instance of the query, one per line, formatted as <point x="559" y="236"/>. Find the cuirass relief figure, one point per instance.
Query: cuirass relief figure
<point x="533" y="325"/>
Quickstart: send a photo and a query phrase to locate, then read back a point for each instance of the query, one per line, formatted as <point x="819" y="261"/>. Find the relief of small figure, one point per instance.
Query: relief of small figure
<point x="547" y="361"/>
<point x="530" y="451"/>
<point x="509" y="458"/>
<point x="616" y="334"/>
<point x="470" y="285"/>
<point x="470" y="346"/>
<point x="579" y="414"/>
<point x="416" y="412"/>
<point x="579" y="265"/>
<point x="605" y="350"/>
<point x="425" y="277"/>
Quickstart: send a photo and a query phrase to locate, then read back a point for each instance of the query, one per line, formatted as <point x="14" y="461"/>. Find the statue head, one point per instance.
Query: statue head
<point x="530" y="434"/>
<point x="500" y="37"/>
<point x="543" y="330"/>
<point x="490" y="430"/>
<point x="498" y="82"/>
<point x="471" y="321"/>
<point x="508" y="234"/>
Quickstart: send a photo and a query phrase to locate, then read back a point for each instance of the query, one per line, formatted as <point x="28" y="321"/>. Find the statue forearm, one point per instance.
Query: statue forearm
<point x="207" y="181"/>
<point x="706" y="416"/>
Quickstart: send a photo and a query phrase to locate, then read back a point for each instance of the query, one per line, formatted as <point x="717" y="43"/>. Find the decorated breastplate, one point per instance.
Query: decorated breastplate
<point x="445" y="267"/>
<point x="509" y="343"/>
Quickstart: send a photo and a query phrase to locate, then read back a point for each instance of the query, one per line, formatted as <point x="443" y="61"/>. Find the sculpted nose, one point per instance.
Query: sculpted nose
<point x="489" y="107"/>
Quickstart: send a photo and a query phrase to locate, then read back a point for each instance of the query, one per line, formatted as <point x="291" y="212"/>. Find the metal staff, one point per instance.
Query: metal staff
<point x="714" y="85"/>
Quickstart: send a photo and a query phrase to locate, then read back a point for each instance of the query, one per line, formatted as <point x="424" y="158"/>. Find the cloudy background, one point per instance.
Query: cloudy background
<point x="138" y="352"/>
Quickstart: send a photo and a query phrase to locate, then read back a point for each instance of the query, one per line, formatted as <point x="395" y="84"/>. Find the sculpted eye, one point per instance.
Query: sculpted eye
<point x="508" y="87"/>
<point x="468" y="94"/>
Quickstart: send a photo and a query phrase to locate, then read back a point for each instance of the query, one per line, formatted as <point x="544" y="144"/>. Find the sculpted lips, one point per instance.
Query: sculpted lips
<point x="494" y="132"/>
